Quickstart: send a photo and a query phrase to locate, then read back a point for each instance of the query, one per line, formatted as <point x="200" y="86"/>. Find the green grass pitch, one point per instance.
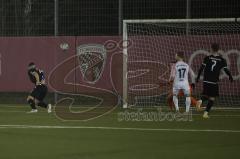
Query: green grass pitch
<point x="43" y="136"/>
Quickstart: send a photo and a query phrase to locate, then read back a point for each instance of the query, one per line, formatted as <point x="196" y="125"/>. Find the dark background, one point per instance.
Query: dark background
<point x="100" y="17"/>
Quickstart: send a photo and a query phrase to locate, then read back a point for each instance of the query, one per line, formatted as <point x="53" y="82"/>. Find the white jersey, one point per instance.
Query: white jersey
<point x="180" y="73"/>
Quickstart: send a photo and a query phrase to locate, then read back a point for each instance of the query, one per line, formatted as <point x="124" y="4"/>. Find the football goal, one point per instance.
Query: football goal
<point x="150" y="46"/>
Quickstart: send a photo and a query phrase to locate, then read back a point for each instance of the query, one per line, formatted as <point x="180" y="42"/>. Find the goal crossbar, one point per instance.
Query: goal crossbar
<point x="201" y="20"/>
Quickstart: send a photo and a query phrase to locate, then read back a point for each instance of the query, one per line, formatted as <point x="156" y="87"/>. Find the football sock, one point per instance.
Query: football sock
<point x="42" y="104"/>
<point x="188" y="102"/>
<point x="175" y="101"/>
<point x="209" y="105"/>
<point x="32" y="104"/>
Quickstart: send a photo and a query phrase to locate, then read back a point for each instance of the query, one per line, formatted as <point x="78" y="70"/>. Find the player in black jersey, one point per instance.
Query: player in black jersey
<point x="212" y="66"/>
<point x="40" y="90"/>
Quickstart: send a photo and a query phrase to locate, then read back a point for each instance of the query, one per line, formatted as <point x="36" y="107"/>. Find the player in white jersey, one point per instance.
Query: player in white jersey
<point x="170" y="103"/>
<point x="180" y="76"/>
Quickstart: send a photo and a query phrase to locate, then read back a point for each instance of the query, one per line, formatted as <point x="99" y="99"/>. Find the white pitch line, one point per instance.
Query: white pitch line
<point x="194" y="114"/>
<point x="113" y="128"/>
<point x="219" y="108"/>
<point x="220" y="115"/>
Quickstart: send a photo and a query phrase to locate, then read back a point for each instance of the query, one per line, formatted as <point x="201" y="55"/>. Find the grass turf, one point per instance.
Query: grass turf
<point x="154" y="140"/>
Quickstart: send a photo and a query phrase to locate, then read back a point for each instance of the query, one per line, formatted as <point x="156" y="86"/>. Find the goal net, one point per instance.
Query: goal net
<point x="152" y="45"/>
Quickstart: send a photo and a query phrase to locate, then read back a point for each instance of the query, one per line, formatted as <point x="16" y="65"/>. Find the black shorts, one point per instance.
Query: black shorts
<point x="210" y="89"/>
<point x="39" y="92"/>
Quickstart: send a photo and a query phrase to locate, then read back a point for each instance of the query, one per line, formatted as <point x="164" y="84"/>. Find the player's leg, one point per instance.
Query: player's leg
<point x="186" y="91"/>
<point x="199" y="105"/>
<point x="210" y="104"/>
<point x="41" y="95"/>
<point x="211" y="90"/>
<point x="42" y="104"/>
<point x="196" y="103"/>
<point x="193" y="101"/>
<point x="188" y="103"/>
<point x="170" y="101"/>
<point x="31" y="101"/>
<point x="175" y="98"/>
<point x="44" y="92"/>
<point x="203" y="99"/>
<point x="208" y="107"/>
<point x="180" y="94"/>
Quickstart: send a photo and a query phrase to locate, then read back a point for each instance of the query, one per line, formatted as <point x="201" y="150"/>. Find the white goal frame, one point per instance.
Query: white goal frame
<point x="125" y="39"/>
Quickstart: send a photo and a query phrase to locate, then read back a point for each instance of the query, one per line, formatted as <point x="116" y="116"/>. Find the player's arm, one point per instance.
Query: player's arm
<point x="35" y="74"/>
<point x="201" y="68"/>
<point x="43" y="78"/>
<point x="172" y="73"/>
<point x="226" y="70"/>
<point x="192" y="75"/>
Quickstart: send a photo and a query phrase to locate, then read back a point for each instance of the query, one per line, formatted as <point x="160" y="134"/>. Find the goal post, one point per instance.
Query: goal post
<point x="154" y="42"/>
<point x="125" y="64"/>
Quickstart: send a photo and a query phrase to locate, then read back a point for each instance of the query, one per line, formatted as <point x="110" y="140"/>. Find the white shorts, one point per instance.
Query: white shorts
<point x="184" y="87"/>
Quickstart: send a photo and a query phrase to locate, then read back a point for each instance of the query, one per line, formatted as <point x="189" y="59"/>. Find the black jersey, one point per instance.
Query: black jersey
<point x="213" y="65"/>
<point x="32" y="77"/>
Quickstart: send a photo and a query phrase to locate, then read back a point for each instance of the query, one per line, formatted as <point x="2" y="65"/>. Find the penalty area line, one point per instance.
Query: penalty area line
<point x="113" y="128"/>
